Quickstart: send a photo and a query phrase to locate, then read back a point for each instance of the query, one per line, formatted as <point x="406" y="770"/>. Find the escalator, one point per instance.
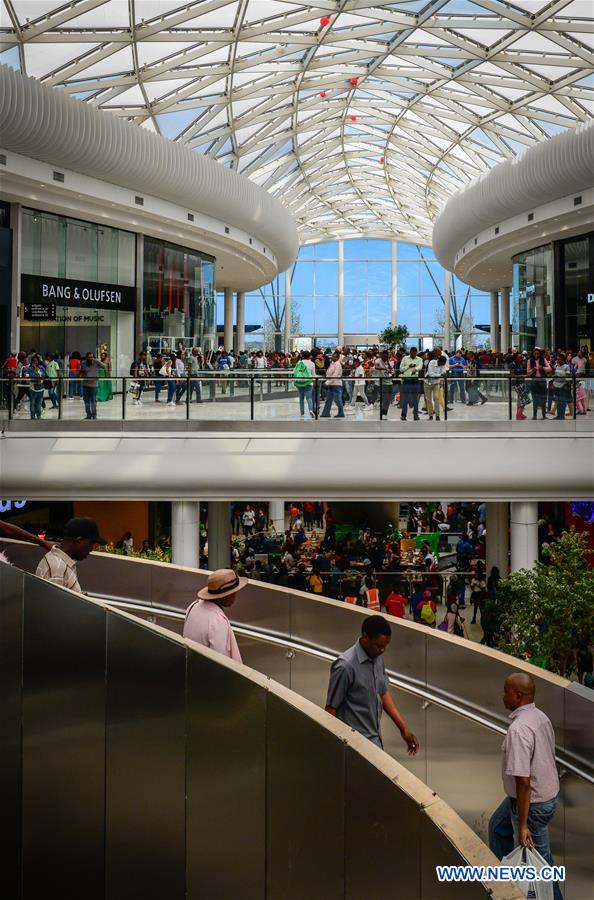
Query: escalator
<point x="449" y="690"/>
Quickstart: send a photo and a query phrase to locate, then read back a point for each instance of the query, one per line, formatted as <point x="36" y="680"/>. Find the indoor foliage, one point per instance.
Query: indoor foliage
<point x="546" y="614"/>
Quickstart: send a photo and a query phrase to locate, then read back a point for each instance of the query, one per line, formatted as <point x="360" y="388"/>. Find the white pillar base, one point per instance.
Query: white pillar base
<point x="498" y="538"/>
<point x="185" y="533"/>
<point x="524" y="535"/>
<point x="276" y="512"/>
<point x="219" y="535"/>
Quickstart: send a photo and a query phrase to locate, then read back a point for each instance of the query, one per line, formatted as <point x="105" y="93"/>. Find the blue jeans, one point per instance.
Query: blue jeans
<point x="171" y="390"/>
<point x="35" y="401"/>
<point x="409" y="395"/>
<point x="333" y="395"/>
<point x="159" y="385"/>
<point x="52" y="395"/>
<point x="90" y="398"/>
<point x="305" y="393"/>
<point x="73" y="386"/>
<point x="503" y="826"/>
<point x="196" y="387"/>
<point x="456" y="382"/>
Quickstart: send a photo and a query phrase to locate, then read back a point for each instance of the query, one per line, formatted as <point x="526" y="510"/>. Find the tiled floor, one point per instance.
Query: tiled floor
<point x="237" y="410"/>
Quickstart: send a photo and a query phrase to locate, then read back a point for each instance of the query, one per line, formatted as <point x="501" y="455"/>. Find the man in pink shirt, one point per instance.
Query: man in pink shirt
<point x="529" y="773"/>
<point x="206" y="621"/>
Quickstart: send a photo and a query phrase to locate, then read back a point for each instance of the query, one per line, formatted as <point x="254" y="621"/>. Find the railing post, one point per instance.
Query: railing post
<point x="316" y="397"/>
<point x="381" y="396"/>
<point x="509" y="397"/>
<point x="188" y="385"/>
<point x="59" y="395"/>
<point x="10" y="397"/>
<point x="123" y="398"/>
<point x="445" y="396"/>
<point x="574" y="387"/>
<point x="251" y="383"/>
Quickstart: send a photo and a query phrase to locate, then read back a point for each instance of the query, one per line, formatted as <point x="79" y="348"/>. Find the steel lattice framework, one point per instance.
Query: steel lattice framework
<point x="364" y="118"/>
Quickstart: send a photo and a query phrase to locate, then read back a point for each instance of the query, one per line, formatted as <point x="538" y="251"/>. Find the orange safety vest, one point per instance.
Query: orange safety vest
<point x="373" y="599"/>
<point x="350" y="600"/>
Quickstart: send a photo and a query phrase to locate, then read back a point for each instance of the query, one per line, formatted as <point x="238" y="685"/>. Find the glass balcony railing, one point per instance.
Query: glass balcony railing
<point x="277" y="396"/>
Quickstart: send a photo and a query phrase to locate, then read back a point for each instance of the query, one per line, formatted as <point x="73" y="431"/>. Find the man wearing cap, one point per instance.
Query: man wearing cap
<point x="206" y="621"/>
<point x="59" y="565"/>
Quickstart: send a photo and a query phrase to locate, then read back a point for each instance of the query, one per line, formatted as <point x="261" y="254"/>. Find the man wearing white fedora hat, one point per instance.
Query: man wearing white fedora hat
<point x="206" y="621"/>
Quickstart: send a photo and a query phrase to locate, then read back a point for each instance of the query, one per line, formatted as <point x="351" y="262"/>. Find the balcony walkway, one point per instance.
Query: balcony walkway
<point x="334" y="459"/>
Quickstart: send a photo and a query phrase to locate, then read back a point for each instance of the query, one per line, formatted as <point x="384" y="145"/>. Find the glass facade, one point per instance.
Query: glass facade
<point x="178" y="296"/>
<point x="378" y="275"/>
<point x="532" y="298"/>
<point x="65" y="248"/>
<point x="575" y="318"/>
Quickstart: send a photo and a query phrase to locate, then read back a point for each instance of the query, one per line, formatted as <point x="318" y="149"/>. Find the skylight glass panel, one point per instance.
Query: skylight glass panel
<point x="41" y="61"/>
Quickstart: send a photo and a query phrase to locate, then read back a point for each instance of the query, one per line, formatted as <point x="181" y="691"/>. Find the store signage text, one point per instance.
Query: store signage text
<point x="6" y="505"/>
<point x="40" y="312"/>
<point x="89" y="295"/>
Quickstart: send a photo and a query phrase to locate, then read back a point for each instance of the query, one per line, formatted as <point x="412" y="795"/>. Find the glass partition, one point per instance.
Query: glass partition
<point x="532" y="298"/>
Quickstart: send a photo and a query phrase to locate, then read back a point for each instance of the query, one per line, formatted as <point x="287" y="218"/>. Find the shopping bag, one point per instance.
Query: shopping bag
<point x="524" y="856"/>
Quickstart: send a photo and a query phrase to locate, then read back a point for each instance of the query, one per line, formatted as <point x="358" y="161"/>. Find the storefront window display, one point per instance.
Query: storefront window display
<point x="77" y="288"/>
<point x="575" y="317"/>
<point x="532" y="298"/>
<point x="178" y="297"/>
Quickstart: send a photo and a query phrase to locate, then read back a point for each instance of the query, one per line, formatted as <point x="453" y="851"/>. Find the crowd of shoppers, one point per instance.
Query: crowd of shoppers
<point x="412" y="381"/>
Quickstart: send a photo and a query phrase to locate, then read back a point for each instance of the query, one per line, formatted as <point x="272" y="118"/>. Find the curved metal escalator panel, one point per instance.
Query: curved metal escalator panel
<point x="137" y="764"/>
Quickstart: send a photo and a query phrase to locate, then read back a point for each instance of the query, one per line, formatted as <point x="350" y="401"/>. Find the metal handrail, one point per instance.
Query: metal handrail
<point x="399" y="681"/>
<point x="251" y="377"/>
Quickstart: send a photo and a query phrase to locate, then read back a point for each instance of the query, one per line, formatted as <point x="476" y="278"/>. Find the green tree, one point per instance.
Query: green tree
<point x="393" y="336"/>
<point x="547" y="613"/>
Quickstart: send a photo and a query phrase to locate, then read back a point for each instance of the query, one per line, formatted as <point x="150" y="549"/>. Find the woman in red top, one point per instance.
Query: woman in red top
<point x="74" y="386"/>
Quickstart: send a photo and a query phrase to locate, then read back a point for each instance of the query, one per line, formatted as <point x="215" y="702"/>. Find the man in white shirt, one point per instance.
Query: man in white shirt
<point x="411" y="367"/>
<point x="81" y="536"/>
<point x="529" y="775"/>
<point x="359" y="385"/>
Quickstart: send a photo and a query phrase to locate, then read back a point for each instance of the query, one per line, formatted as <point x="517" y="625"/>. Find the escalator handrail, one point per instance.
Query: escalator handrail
<point x="566" y="761"/>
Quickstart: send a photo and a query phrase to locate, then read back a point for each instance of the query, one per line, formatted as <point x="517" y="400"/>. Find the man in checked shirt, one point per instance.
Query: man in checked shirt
<point x="529" y="773"/>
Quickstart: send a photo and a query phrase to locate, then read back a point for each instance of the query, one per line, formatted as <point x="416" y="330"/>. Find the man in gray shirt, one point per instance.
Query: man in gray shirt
<point x="358" y="689"/>
<point x="89" y="370"/>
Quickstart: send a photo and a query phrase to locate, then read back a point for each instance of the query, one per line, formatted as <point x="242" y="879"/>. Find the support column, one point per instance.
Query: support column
<point x="240" y="319"/>
<point x="228" y="323"/>
<point x="16" y="219"/>
<point x="185" y="533"/>
<point x="394" y="288"/>
<point x="276" y="512"/>
<point x="341" y="293"/>
<point x="288" y="315"/>
<point x="139" y="335"/>
<point x="447" y="313"/>
<point x="495" y="320"/>
<point x="505" y="339"/>
<point x="498" y="538"/>
<point x="219" y="535"/>
<point x="524" y="535"/>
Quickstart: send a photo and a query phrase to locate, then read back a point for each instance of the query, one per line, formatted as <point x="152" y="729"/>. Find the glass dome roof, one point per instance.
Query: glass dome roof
<point x="362" y="117"/>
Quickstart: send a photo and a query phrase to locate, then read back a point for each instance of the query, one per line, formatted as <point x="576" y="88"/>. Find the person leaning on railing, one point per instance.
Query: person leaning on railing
<point x="411" y="367"/>
<point x="433" y="385"/>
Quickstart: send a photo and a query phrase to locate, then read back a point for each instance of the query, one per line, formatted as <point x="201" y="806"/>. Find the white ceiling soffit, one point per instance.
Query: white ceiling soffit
<point x="411" y="100"/>
<point x="559" y="168"/>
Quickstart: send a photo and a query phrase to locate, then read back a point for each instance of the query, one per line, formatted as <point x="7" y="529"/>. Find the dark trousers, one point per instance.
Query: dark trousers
<point x="457" y="383"/>
<point x="90" y="398"/>
<point x="409" y="396"/>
